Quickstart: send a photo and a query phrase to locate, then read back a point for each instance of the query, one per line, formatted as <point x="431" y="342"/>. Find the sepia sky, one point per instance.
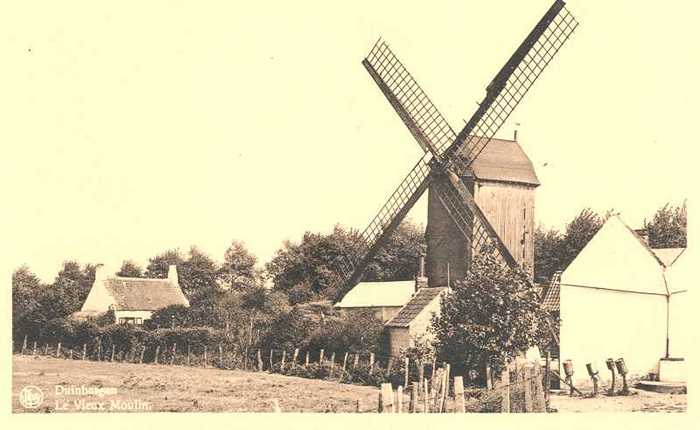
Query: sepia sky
<point x="129" y="128"/>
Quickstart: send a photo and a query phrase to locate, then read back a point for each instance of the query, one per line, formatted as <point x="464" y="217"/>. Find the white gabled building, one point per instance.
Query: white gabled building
<point x="616" y="300"/>
<point x="133" y="299"/>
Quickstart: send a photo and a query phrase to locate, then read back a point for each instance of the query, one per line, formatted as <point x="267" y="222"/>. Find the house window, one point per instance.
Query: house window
<point x="139" y="321"/>
<point x="127" y="320"/>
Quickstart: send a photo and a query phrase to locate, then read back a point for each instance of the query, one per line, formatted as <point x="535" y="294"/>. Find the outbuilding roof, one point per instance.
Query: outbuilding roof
<point x="504" y="161"/>
<point x="378" y="294"/>
<point x="143" y="294"/>
<point x="415" y="306"/>
<point x="668" y="256"/>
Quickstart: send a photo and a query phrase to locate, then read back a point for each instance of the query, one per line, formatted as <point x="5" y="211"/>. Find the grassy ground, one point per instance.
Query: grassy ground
<point x="183" y="389"/>
<point x="192" y="389"/>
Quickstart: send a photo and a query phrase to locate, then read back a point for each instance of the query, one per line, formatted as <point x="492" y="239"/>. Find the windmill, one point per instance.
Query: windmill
<point x="448" y="155"/>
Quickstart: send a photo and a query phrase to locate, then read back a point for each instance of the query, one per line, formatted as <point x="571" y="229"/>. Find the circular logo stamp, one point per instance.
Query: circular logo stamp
<point x="31" y="397"/>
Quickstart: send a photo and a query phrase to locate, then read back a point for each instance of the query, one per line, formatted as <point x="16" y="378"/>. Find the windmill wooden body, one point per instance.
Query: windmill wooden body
<point x="449" y="156"/>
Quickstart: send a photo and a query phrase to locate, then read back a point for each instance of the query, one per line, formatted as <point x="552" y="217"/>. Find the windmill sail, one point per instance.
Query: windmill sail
<point x="513" y="81"/>
<point x="446" y="152"/>
<point x="408" y="99"/>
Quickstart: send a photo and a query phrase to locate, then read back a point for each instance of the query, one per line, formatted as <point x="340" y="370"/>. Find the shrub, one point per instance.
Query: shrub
<point x="490" y="317"/>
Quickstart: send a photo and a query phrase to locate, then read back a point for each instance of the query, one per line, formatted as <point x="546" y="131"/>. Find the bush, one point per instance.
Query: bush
<point x="490" y="317"/>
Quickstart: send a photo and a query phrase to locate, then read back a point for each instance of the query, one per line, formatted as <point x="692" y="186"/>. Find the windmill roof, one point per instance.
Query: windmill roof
<point x="144" y="294"/>
<point x="376" y="294"/>
<point x="415" y="306"/>
<point x="504" y="161"/>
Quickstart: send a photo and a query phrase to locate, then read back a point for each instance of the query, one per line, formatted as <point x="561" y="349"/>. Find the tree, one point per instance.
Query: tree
<point x="489" y="317"/>
<point x="548" y="253"/>
<point x="396" y="261"/>
<point x="578" y="233"/>
<point x="198" y="277"/>
<point x="26" y="289"/>
<point x="668" y="227"/>
<point x="197" y="274"/>
<point x="130" y="269"/>
<point x="314" y="261"/>
<point x="310" y="269"/>
<point x="70" y="289"/>
<point x="158" y="266"/>
<point x="238" y="270"/>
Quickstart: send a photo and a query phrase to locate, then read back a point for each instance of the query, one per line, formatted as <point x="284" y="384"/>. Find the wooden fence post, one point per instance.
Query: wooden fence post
<point x="172" y="359"/>
<point x="421" y="373"/>
<point x="34" y="349"/>
<point x="295" y="356"/>
<point x="426" y="396"/>
<point x="205" y="356"/>
<point x="459" y="393"/>
<point x="84" y="350"/>
<point x="70" y="353"/>
<point x="284" y="356"/>
<point x="46" y="349"/>
<point x="527" y="386"/>
<point x="260" y="362"/>
<point x="412" y="399"/>
<point x="445" y="388"/>
<point x="505" y="389"/>
<point x="332" y="362"/>
<point x="407" y="361"/>
<point x="24" y="344"/>
<point x="547" y="366"/>
<point x="143" y="351"/>
<point x="489" y="381"/>
<point x="320" y="358"/>
<point x="387" y="403"/>
<point x="272" y="352"/>
<point x="58" y="350"/>
<point x="221" y="356"/>
<point x="99" y="349"/>
<point x="306" y="363"/>
<point x="356" y="360"/>
<point x="345" y="361"/>
<point x="189" y="351"/>
<point x="539" y="391"/>
<point x="371" y="363"/>
<point x="155" y="360"/>
<point x="399" y="399"/>
<point x="111" y="358"/>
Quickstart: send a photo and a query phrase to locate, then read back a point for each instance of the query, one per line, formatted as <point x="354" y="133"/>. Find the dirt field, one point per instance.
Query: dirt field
<point x="641" y="401"/>
<point x="151" y="388"/>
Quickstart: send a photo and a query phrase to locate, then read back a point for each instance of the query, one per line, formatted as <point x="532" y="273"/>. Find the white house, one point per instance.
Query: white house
<point x="614" y="301"/>
<point x="133" y="299"/>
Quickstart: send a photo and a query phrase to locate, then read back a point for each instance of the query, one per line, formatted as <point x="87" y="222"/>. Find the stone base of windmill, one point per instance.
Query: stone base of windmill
<point x="670" y="379"/>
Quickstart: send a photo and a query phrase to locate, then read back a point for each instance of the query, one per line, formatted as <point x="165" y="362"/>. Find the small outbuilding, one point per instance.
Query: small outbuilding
<point x="413" y="320"/>
<point x="384" y="299"/>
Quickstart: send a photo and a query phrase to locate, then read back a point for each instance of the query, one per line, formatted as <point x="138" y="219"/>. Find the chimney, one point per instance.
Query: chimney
<point x="172" y="274"/>
<point x="421" y="279"/>
<point x="644" y="234"/>
<point x="101" y="272"/>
